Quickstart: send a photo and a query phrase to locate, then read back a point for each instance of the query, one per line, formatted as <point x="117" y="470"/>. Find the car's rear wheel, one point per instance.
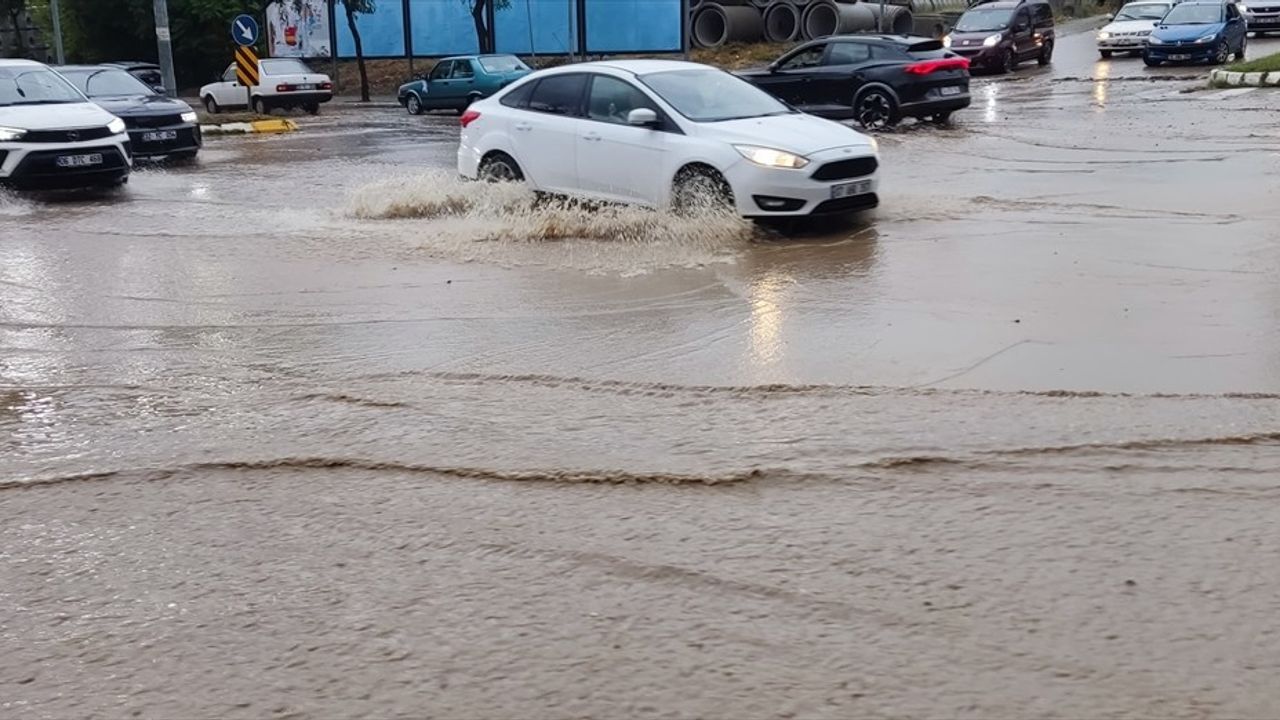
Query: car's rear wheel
<point x="1222" y="54"/>
<point x="698" y="188"/>
<point x="260" y="106"/>
<point x="1106" y="54"/>
<point x="942" y="118"/>
<point x="500" y="167"/>
<point x="413" y="104"/>
<point x="1046" y="54"/>
<point x="312" y="108"/>
<point x="211" y="105"/>
<point x="875" y="109"/>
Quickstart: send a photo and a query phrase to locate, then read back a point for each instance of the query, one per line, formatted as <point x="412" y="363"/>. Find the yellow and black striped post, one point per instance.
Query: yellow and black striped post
<point x="247" y="66"/>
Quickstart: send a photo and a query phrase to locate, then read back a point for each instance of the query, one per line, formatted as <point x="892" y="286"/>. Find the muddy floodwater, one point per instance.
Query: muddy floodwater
<point x="313" y="430"/>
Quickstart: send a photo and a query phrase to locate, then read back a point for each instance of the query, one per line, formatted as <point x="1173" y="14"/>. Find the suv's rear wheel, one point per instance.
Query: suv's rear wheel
<point x="698" y="187"/>
<point x="875" y="109"/>
<point x="500" y="167"/>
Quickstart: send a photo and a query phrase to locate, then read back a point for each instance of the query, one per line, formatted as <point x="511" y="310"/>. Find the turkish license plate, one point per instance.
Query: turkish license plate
<point x="306" y="86"/>
<point x="160" y="136"/>
<point x="844" y="190"/>
<point x="70" y="161"/>
<point x="1179" y="57"/>
<point x="950" y="90"/>
<point x="1266" y="20"/>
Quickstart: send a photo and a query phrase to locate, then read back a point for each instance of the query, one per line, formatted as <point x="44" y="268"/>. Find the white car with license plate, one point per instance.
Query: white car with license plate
<point x="283" y="83"/>
<point x="52" y="137"/>
<point x="664" y="134"/>
<point x="1129" y="29"/>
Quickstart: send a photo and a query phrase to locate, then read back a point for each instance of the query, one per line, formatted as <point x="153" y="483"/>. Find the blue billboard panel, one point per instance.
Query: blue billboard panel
<point x="633" y="26"/>
<point x="381" y="32"/>
<point x="554" y="25"/>
<point x="442" y="27"/>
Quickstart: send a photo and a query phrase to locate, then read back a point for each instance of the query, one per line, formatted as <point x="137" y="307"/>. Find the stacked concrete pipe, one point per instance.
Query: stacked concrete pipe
<point x="822" y="18"/>
<point x="716" y="24"/>
<point x="782" y="21"/>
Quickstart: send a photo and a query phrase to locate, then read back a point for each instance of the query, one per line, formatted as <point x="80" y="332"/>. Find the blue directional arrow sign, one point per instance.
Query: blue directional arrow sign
<point x="244" y="30"/>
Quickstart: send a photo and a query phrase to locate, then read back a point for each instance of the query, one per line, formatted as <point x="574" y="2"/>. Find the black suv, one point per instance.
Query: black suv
<point x="874" y="79"/>
<point x="999" y="35"/>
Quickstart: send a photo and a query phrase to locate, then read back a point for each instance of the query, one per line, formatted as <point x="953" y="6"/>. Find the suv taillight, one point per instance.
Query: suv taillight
<point x="469" y="117"/>
<point x="924" y="67"/>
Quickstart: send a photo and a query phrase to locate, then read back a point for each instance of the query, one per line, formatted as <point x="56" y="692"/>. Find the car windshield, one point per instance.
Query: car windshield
<point x="709" y="95"/>
<point x="106" y="83"/>
<point x="1194" y="15"/>
<point x="1143" y="11"/>
<point x="35" y="85"/>
<point x="284" y="66"/>
<point x="984" y="20"/>
<point x="502" y="64"/>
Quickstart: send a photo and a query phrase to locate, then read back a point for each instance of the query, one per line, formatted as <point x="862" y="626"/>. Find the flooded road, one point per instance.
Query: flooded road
<point x="313" y="430"/>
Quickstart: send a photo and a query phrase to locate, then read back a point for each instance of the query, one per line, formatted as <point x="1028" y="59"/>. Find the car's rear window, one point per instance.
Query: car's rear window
<point x="284" y="66"/>
<point x="502" y="64"/>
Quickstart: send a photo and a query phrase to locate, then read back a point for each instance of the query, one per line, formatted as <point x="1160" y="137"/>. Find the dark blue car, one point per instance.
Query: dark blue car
<point x="1198" y="31"/>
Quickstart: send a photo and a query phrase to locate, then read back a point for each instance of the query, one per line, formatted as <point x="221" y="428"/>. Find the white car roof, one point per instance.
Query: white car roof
<point x="636" y="67"/>
<point x="13" y="62"/>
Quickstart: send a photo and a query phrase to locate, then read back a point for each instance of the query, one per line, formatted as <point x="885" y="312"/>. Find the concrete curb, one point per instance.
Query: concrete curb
<point x="267" y="127"/>
<point x="1226" y="78"/>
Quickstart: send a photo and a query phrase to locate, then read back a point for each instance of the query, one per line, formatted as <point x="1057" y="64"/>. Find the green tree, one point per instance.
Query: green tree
<point x="13" y="10"/>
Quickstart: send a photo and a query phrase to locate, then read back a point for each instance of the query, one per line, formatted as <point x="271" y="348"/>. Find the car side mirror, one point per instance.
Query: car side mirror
<point x="642" y="117"/>
<point x="1111" y="16"/>
<point x="160" y="89"/>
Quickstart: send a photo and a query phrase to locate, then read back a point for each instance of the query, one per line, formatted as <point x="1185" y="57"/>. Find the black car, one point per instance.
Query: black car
<point x="874" y="79"/>
<point x="148" y="72"/>
<point x="159" y="126"/>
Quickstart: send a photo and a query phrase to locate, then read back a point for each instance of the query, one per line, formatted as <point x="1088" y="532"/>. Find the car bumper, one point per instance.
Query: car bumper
<point x="774" y="192"/>
<point x="146" y="144"/>
<point x="1123" y="44"/>
<point x="296" y="99"/>
<point x="933" y="106"/>
<point x="35" y="165"/>
<point x="1180" y="53"/>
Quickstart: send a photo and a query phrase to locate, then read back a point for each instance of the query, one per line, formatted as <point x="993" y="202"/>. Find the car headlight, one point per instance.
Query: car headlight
<point x="1104" y="35"/>
<point x="992" y="40"/>
<point x="946" y="41"/>
<point x="189" y="117"/>
<point x="116" y="126"/>
<point x="1207" y="38"/>
<point x="1242" y="7"/>
<point x="10" y="134"/>
<point x="769" y="157"/>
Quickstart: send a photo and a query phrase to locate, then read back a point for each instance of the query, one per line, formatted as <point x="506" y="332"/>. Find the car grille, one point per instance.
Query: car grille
<point x="188" y="138"/>
<point x="45" y="163"/>
<point x="847" y="205"/>
<point x="845" y="169"/>
<point x="153" y="121"/>
<point x="1256" y="10"/>
<point x="66" y="136"/>
<point x="1139" y="33"/>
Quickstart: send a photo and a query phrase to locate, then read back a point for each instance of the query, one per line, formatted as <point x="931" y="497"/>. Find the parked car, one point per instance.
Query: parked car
<point x="456" y="82"/>
<point x="999" y="35"/>
<point x="874" y="79"/>
<point x="283" y="83"/>
<point x="1198" y="32"/>
<point x="1261" y="18"/>
<point x="148" y="72"/>
<point x="664" y="133"/>
<point x="1129" y="29"/>
<point x="51" y="136"/>
<point x="159" y="126"/>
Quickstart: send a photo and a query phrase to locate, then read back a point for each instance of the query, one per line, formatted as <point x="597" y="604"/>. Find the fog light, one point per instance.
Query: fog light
<point x="777" y="204"/>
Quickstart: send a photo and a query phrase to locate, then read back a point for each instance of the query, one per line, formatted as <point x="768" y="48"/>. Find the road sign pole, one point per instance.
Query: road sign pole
<point x="57" y="32"/>
<point x="165" y="46"/>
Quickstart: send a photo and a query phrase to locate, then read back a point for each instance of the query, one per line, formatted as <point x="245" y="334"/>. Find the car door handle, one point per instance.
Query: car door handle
<point x="524" y="127"/>
<point x="591" y="137"/>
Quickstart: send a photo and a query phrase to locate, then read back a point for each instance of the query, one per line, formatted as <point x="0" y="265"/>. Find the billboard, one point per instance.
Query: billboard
<point x="298" y="28"/>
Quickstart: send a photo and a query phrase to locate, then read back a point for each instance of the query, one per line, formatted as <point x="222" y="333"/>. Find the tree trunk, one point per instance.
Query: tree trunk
<point x="20" y="47"/>
<point x="355" y="35"/>
<point x="478" y="14"/>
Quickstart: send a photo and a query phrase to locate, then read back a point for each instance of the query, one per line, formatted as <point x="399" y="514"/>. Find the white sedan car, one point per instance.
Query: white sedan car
<point x="667" y="134"/>
<point x="1129" y="29"/>
<point x="52" y="137"/>
<point x="283" y="83"/>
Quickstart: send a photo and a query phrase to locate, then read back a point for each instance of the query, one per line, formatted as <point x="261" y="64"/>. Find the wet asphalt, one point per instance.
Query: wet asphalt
<point x="310" y="429"/>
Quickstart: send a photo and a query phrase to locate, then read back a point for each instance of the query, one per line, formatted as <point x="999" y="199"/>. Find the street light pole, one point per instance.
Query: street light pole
<point x="57" y="32"/>
<point x="165" y="46"/>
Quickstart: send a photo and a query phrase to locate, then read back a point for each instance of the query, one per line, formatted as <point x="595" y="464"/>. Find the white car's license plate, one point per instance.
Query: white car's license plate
<point x="160" y="135"/>
<point x="68" y="161"/>
<point x="844" y="190"/>
<point x="1179" y="57"/>
<point x="950" y="90"/>
<point x="306" y="86"/>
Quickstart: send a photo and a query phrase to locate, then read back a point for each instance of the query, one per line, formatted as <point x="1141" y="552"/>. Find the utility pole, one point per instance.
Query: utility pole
<point x="686" y="26"/>
<point x="57" y="33"/>
<point x="165" y="47"/>
<point x="880" y="20"/>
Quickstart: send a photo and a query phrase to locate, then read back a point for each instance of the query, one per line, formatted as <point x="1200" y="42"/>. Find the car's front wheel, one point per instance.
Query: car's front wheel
<point x="413" y="104"/>
<point x="875" y="109"/>
<point x="500" y="167"/>
<point x="211" y="105"/>
<point x="698" y="188"/>
<point x="1222" y="54"/>
<point x="1150" y="62"/>
<point x="1046" y="54"/>
<point x="1106" y="54"/>
<point x="1008" y="61"/>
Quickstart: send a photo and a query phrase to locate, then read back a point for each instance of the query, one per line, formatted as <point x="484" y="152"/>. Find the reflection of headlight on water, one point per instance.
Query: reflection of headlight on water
<point x="989" y="111"/>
